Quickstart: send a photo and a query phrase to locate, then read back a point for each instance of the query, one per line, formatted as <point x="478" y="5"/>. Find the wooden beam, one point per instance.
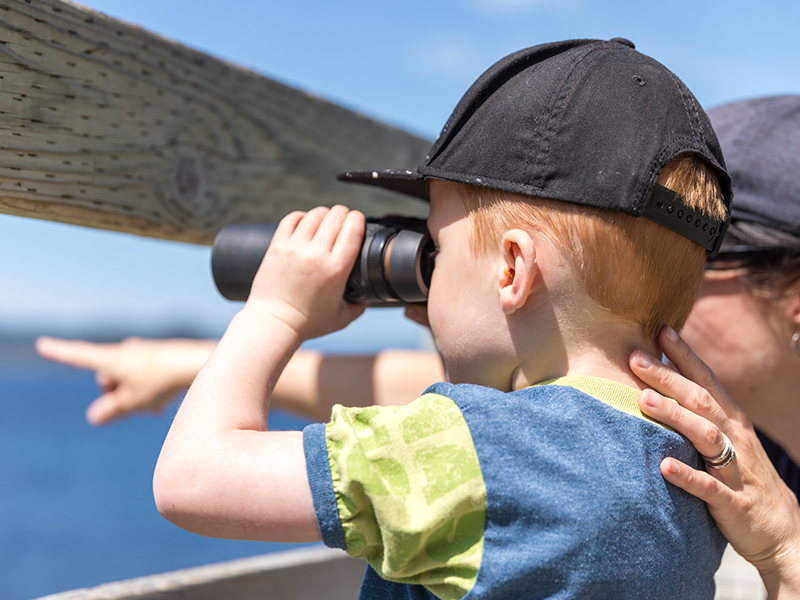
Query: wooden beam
<point x="106" y="125"/>
<point x="312" y="572"/>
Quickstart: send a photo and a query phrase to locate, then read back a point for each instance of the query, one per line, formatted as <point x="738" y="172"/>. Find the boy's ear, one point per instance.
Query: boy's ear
<point x="519" y="270"/>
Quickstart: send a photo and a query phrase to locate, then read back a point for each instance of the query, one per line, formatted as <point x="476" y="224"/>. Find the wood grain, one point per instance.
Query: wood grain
<point x="312" y="572"/>
<point x="106" y="125"/>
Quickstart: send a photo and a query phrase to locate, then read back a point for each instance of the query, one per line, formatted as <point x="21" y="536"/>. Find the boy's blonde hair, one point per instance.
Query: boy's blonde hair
<point x="631" y="266"/>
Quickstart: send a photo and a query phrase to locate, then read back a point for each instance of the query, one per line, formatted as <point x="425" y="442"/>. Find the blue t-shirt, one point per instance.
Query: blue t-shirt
<point x="546" y="492"/>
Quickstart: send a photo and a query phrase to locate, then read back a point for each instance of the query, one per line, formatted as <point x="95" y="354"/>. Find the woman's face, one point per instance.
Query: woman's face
<point x="745" y="339"/>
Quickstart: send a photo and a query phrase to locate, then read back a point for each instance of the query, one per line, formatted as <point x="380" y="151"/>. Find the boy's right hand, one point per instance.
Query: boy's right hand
<point x="302" y="279"/>
<point x="221" y="471"/>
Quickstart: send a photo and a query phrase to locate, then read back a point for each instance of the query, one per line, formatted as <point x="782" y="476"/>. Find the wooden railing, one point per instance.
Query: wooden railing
<point x="314" y="572"/>
<point x="106" y="125"/>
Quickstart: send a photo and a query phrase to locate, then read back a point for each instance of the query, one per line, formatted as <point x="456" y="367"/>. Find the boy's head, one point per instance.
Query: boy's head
<point x="570" y="139"/>
<point x="637" y="270"/>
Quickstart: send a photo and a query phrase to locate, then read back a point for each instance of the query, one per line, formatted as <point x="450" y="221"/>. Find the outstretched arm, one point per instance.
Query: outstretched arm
<point x="221" y="472"/>
<point x="145" y="375"/>
<point x="135" y="375"/>
<point x="755" y="510"/>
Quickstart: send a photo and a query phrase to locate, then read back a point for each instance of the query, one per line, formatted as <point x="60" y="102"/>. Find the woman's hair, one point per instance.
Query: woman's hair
<point x="771" y="274"/>
<point x="634" y="268"/>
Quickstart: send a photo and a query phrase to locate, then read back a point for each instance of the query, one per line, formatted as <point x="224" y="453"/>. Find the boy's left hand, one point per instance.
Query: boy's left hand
<point x="302" y="279"/>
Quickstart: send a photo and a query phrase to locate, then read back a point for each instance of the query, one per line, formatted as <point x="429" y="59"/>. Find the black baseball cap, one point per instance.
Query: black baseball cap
<point x="761" y="137"/>
<point x="589" y="122"/>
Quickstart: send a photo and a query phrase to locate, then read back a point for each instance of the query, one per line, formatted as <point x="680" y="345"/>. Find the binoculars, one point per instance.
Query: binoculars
<point x="393" y="268"/>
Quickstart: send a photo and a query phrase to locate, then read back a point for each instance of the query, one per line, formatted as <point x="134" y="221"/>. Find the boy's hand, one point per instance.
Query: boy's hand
<point x="302" y="278"/>
<point x="221" y="471"/>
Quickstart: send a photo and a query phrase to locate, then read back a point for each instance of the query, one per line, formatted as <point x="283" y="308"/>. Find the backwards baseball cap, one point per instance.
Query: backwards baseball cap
<point x="589" y="122"/>
<point x="761" y="138"/>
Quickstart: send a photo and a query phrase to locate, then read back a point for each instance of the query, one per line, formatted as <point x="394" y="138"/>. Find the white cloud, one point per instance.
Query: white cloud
<point x="453" y="56"/>
<point x="450" y="58"/>
<point x="504" y="7"/>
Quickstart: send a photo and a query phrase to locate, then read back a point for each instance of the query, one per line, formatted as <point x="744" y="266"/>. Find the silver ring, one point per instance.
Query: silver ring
<point x="725" y="457"/>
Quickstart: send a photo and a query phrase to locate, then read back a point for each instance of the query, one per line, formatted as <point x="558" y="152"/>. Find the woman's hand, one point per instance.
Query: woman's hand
<point x="136" y="375"/>
<point x="754" y="509"/>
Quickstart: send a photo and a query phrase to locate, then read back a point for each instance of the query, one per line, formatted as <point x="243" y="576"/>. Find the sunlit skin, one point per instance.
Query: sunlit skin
<point x="503" y="319"/>
<point x="464" y="303"/>
<point x="745" y="339"/>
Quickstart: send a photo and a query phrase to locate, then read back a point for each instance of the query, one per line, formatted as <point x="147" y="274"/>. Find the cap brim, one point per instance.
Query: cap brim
<point x="403" y="181"/>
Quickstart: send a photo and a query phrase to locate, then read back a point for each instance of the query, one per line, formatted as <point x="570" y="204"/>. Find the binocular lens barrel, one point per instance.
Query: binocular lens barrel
<point x="393" y="268"/>
<point x="236" y="255"/>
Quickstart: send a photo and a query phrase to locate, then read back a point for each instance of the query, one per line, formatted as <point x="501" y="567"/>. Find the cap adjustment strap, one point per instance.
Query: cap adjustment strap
<point x="668" y="209"/>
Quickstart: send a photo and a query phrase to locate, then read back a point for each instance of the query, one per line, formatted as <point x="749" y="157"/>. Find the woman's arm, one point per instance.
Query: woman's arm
<point x="754" y="509"/>
<point x="145" y="375"/>
<point x="135" y="375"/>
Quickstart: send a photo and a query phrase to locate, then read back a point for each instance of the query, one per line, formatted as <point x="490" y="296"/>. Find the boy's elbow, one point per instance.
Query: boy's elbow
<point x="172" y="493"/>
<point x="164" y="490"/>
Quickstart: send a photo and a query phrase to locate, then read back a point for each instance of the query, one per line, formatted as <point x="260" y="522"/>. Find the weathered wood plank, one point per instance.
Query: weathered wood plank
<point x="315" y="572"/>
<point x="106" y="125"/>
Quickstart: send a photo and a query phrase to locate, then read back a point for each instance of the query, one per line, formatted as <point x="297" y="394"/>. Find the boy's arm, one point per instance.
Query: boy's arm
<point x="220" y="472"/>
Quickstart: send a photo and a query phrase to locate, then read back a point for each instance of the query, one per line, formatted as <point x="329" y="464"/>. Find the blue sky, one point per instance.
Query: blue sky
<point x="404" y="62"/>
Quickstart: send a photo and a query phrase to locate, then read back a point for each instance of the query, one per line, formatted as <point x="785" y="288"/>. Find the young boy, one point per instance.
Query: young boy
<point x="532" y="473"/>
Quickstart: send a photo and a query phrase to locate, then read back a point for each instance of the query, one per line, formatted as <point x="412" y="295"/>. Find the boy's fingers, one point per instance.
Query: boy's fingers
<point x="287" y="225"/>
<point x="351" y="235"/>
<point x="76" y="353"/>
<point x="307" y="228"/>
<point x="331" y="226"/>
<point x="418" y="313"/>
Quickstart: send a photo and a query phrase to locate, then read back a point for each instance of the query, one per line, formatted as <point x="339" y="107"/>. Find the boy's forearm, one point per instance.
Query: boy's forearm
<point x="233" y="389"/>
<point x="220" y="473"/>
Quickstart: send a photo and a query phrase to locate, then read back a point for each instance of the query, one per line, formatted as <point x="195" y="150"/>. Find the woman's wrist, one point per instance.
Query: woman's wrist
<point x="780" y="572"/>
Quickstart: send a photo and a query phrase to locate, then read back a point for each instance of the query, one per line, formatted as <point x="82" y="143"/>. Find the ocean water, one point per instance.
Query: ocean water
<point x="76" y="507"/>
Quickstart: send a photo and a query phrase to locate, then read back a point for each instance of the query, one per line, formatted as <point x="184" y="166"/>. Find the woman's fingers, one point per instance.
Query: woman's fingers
<point x="690" y="366"/>
<point x="704" y="435"/>
<point x="672" y="384"/>
<point x="75" y="353"/>
<point x="699" y="483"/>
<point x="105" y="409"/>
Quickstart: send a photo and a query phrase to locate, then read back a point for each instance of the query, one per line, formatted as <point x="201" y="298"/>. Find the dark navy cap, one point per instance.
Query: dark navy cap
<point x="761" y="138"/>
<point x="589" y="122"/>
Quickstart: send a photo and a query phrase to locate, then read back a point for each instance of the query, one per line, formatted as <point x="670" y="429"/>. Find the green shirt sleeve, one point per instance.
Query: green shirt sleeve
<point x="409" y="491"/>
